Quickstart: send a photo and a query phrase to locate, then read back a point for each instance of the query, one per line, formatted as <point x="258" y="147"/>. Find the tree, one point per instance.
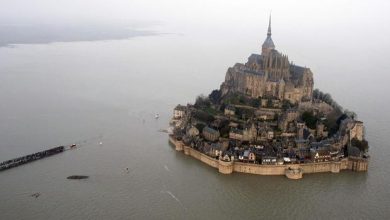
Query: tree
<point x="286" y="104"/>
<point x="332" y="121"/>
<point x="255" y="103"/>
<point x="309" y="119"/>
<point x="215" y="96"/>
<point x="350" y="114"/>
<point x="241" y="99"/>
<point x="203" y="116"/>
<point x="224" y="131"/>
<point x="202" y="101"/>
<point x="362" y="145"/>
<point x="327" y="98"/>
<point x="200" y="127"/>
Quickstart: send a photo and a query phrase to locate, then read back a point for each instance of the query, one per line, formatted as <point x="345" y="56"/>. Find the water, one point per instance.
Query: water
<point x="109" y="91"/>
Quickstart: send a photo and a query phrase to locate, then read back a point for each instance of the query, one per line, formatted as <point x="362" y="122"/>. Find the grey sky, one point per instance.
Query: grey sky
<point x="222" y="12"/>
<point x="307" y="30"/>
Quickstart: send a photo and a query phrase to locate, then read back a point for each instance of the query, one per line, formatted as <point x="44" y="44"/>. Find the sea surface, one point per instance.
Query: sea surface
<point x="108" y="91"/>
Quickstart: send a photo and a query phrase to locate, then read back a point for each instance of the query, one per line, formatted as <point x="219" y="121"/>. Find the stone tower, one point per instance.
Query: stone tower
<point x="268" y="44"/>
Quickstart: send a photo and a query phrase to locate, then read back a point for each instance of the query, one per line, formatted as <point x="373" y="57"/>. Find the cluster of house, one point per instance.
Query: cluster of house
<point x="264" y="139"/>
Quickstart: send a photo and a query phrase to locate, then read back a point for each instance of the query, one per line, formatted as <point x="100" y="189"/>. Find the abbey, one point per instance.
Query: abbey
<point x="270" y="75"/>
<point x="266" y="119"/>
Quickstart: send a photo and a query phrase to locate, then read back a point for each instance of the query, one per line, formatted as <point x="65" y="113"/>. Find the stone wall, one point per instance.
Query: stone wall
<point x="357" y="164"/>
<point x="259" y="169"/>
<point x="354" y="164"/>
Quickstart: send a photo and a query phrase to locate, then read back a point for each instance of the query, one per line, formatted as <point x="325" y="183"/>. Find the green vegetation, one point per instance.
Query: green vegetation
<point x="310" y="119"/>
<point x="203" y="116"/>
<point x="210" y="110"/>
<point x="224" y="131"/>
<point x="215" y="96"/>
<point x="202" y="101"/>
<point x="287" y="105"/>
<point x="333" y="120"/>
<point x="350" y="114"/>
<point x="362" y="145"/>
<point x="204" y="104"/>
<point x="200" y="126"/>
<point x="255" y="103"/>
<point x="235" y="99"/>
<point x="245" y="113"/>
<point x="240" y="99"/>
<point x="327" y="98"/>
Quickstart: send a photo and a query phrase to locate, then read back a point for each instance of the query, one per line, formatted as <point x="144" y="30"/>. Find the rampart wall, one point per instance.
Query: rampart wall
<point x="355" y="164"/>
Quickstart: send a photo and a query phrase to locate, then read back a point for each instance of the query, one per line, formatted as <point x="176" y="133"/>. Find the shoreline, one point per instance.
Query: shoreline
<point x="291" y="171"/>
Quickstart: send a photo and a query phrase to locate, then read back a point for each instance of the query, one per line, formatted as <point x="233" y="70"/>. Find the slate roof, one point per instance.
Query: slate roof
<point x="180" y="108"/>
<point x="269" y="43"/>
<point x="210" y="130"/>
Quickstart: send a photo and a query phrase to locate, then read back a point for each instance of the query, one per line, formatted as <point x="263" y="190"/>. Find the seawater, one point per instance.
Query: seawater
<point x="109" y="91"/>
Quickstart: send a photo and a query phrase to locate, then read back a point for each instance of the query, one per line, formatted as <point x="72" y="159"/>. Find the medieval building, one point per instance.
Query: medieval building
<point x="270" y="75"/>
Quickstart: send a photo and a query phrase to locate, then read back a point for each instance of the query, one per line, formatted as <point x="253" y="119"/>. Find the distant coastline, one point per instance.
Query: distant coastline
<point x="11" y="35"/>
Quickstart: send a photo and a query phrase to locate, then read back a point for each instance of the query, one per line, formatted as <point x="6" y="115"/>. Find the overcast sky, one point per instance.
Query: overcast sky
<point x="339" y="37"/>
<point x="348" y="25"/>
<point x="196" y="12"/>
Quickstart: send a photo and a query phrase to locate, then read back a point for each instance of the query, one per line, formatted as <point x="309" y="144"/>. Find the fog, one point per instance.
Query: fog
<point x="346" y="40"/>
<point x="339" y="24"/>
<point x="74" y="70"/>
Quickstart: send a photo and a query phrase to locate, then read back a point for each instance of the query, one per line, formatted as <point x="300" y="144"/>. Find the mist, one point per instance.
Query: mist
<point x="71" y="70"/>
<point x="339" y="40"/>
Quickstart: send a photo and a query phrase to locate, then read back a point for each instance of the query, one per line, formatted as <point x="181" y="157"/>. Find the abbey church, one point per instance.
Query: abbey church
<point x="270" y="75"/>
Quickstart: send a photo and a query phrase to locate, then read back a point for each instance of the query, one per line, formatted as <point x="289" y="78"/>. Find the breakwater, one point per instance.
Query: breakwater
<point x="30" y="158"/>
<point x="291" y="171"/>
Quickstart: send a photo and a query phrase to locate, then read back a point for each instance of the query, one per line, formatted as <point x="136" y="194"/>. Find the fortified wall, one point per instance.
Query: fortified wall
<point x="292" y="171"/>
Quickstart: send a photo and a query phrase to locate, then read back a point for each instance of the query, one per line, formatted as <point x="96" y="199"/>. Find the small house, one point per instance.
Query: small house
<point x="268" y="160"/>
<point x="252" y="157"/>
<point x="320" y="155"/>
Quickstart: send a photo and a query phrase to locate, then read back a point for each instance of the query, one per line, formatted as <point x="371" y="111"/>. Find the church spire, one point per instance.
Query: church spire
<point x="269" y="26"/>
<point x="268" y="44"/>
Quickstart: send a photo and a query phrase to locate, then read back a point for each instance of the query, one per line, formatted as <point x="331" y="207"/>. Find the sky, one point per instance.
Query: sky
<point x="368" y="19"/>
<point x="348" y="33"/>
<point x="199" y="12"/>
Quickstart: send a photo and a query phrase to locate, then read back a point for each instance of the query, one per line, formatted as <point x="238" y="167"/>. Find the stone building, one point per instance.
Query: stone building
<point x="289" y="116"/>
<point x="265" y="133"/>
<point x="235" y="134"/>
<point x="249" y="133"/>
<point x="210" y="134"/>
<point x="300" y="129"/>
<point x="270" y="75"/>
<point x="193" y="131"/>
<point x="179" y="111"/>
<point x="230" y="110"/>
<point x="265" y="114"/>
<point x="320" y="130"/>
<point x="350" y="129"/>
<point x="320" y="154"/>
<point x="357" y="131"/>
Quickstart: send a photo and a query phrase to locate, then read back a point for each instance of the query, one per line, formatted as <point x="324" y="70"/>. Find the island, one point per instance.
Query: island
<point x="267" y="119"/>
